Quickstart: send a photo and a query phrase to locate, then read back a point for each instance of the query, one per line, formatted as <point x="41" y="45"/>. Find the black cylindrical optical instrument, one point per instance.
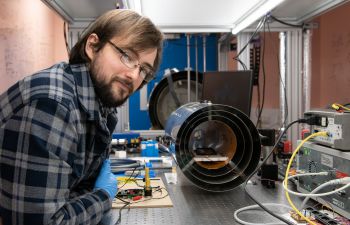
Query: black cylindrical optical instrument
<point x="170" y="94"/>
<point x="216" y="146"/>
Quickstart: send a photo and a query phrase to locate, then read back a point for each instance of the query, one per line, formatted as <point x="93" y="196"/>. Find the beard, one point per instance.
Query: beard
<point x="104" y="88"/>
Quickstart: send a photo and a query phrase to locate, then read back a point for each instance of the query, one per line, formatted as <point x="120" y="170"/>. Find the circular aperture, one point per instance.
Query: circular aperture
<point x="212" y="144"/>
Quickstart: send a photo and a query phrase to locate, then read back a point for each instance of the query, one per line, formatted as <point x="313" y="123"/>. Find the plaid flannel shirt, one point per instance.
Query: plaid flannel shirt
<point x="54" y="136"/>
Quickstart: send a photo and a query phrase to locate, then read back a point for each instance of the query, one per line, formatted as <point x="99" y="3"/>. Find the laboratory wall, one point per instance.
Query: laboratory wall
<point x="331" y="58"/>
<point x="31" y="39"/>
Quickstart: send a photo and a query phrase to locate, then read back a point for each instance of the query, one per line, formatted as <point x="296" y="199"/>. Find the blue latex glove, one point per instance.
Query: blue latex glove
<point x="106" y="180"/>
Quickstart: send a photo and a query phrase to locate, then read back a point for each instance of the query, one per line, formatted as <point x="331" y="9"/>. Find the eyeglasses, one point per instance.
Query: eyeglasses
<point x="146" y="72"/>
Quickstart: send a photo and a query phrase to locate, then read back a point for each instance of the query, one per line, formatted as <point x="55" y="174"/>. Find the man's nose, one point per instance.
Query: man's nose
<point x="134" y="73"/>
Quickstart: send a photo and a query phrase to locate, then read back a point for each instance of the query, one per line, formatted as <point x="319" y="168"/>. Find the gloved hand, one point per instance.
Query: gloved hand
<point x="106" y="180"/>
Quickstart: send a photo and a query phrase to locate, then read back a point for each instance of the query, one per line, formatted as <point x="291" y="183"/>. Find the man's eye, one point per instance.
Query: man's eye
<point x="146" y="70"/>
<point x="142" y="70"/>
<point x="127" y="57"/>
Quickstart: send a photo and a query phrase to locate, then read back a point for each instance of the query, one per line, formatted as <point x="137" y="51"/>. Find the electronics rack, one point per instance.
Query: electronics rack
<point x="337" y="124"/>
<point x="313" y="157"/>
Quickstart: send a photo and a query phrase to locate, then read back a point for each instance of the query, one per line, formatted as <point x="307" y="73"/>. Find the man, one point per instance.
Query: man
<point x="56" y="125"/>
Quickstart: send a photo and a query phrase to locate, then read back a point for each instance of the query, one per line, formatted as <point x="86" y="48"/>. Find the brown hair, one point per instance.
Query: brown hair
<point x="141" y="32"/>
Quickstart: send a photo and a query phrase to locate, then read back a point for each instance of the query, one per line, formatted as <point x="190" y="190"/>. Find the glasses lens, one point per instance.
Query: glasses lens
<point x="147" y="75"/>
<point x="128" y="61"/>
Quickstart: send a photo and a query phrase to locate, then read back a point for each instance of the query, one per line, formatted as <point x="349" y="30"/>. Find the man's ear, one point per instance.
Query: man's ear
<point x="90" y="48"/>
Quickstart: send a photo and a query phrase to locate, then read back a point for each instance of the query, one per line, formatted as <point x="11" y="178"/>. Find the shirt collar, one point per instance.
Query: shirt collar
<point x="87" y="95"/>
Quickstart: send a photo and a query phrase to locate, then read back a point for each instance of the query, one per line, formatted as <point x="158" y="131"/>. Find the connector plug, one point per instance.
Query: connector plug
<point x="315" y="120"/>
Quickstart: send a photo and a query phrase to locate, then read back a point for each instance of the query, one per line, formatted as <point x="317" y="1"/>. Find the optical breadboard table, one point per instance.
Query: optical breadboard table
<point x="192" y="205"/>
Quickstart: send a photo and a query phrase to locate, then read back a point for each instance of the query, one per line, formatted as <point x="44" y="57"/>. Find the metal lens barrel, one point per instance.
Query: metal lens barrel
<point x="170" y="94"/>
<point x="216" y="146"/>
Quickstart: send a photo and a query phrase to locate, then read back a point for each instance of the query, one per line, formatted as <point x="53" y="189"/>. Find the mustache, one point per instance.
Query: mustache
<point x="125" y="82"/>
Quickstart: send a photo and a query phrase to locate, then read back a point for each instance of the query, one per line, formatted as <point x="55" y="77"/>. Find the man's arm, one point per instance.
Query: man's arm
<point x="39" y="151"/>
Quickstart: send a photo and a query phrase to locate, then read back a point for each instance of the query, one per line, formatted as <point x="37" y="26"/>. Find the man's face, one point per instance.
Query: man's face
<point x="114" y="81"/>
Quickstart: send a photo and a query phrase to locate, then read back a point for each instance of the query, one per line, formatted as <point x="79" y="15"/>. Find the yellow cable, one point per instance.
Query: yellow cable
<point x="287" y="172"/>
<point x="337" y="106"/>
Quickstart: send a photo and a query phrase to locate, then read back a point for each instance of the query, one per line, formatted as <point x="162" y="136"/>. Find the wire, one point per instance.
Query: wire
<point x="128" y="203"/>
<point x="155" y="189"/>
<point x="152" y="198"/>
<point x="120" y="211"/>
<point x="331" y="182"/>
<point x="122" y="165"/>
<point x="338" y="106"/>
<point x="262" y="163"/>
<point x="258" y="123"/>
<point x="256" y="207"/>
<point x="287" y="173"/>
<point x="125" y="182"/>
<point x="261" y="22"/>
<point x="309" y="174"/>
<point x="345" y="180"/>
<point x="123" y="162"/>
<point x="242" y="64"/>
<point x="121" y="199"/>
<point x="285" y="23"/>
